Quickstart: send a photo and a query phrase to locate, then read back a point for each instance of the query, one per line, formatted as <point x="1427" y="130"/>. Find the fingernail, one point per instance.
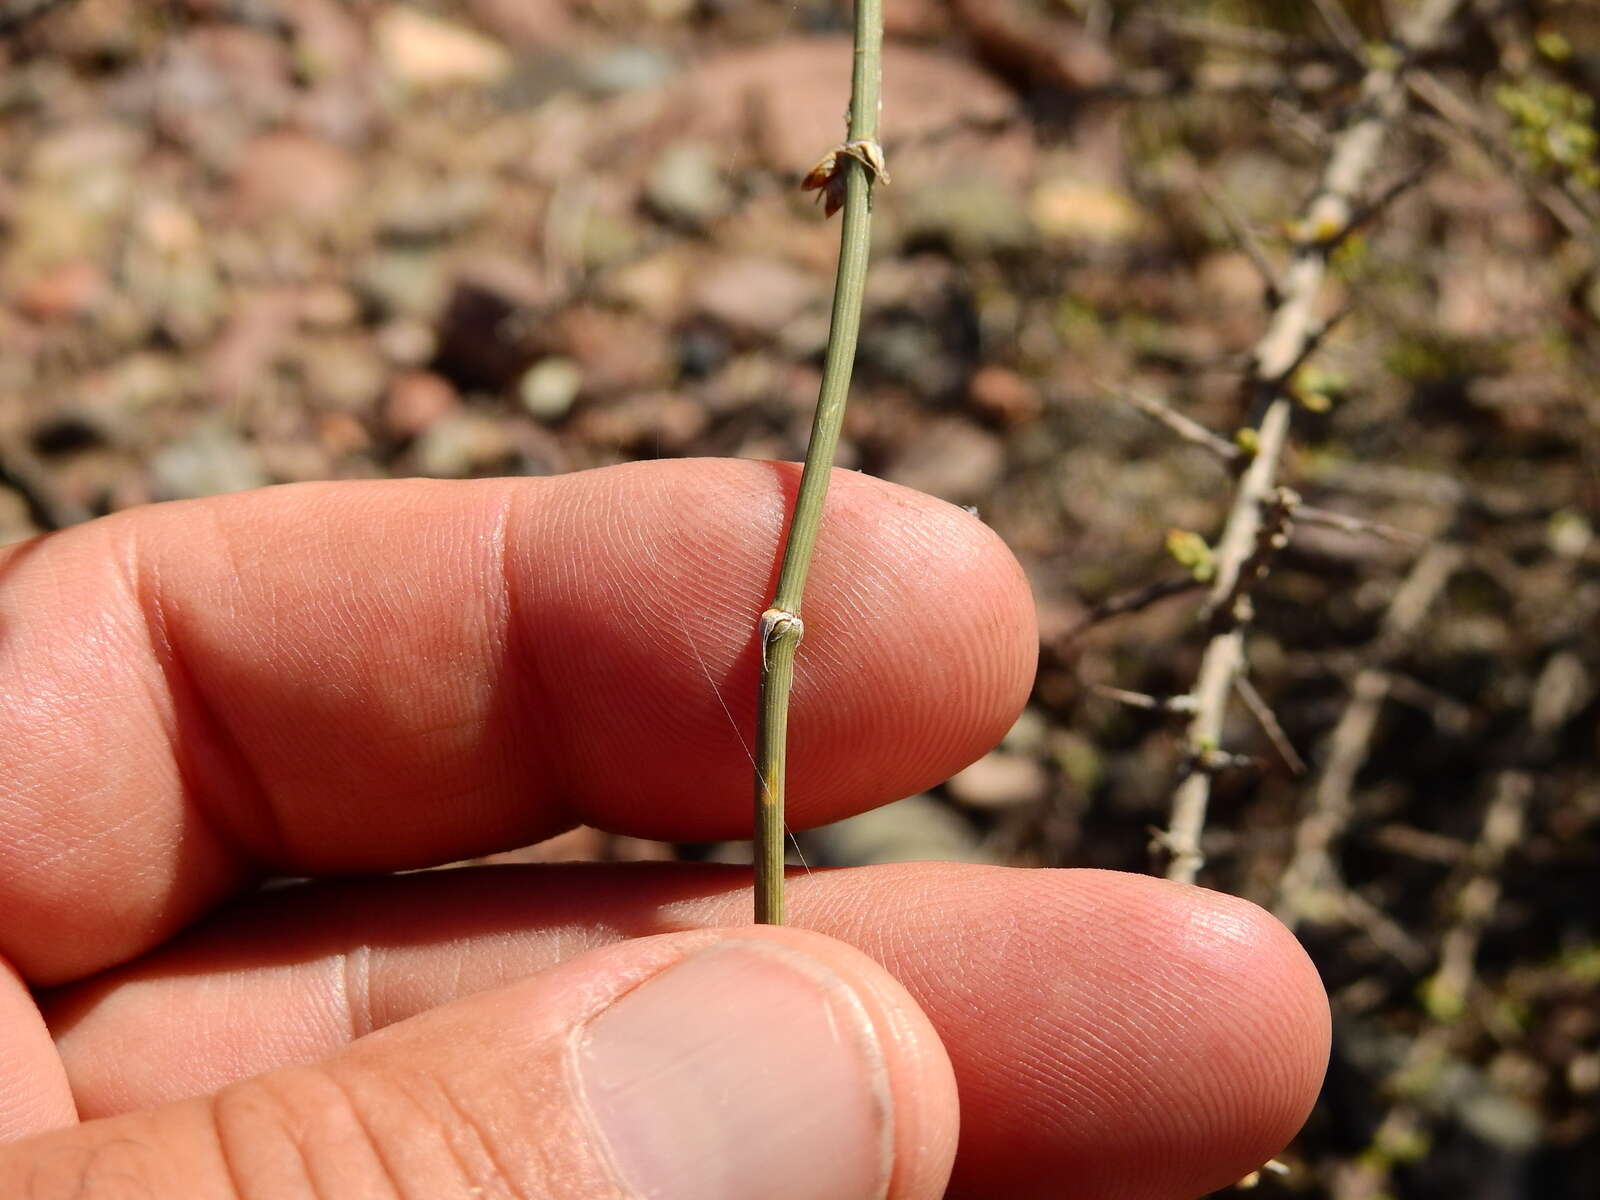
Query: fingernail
<point x="746" y="1070"/>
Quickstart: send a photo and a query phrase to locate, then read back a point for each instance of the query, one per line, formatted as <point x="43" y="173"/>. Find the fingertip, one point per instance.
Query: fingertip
<point x="1257" y="1055"/>
<point x="34" y="1093"/>
<point x="1221" y="1030"/>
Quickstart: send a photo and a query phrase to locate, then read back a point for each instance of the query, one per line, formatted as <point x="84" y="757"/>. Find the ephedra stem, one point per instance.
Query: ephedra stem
<point x="846" y="177"/>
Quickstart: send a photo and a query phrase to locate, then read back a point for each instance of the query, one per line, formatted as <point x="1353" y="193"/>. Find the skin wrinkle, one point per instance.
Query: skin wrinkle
<point x="527" y="757"/>
<point x="145" y="598"/>
<point x="562" y="520"/>
<point x="216" y="1122"/>
<point x="354" y="981"/>
<point x="466" y="1120"/>
<point x="1131" y="1122"/>
<point x="355" y="1119"/>
<point x="439" y="1129"/>
<point x="268" y="841"/>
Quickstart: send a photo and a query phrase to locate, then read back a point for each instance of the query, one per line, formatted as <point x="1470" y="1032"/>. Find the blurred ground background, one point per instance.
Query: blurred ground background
<point x="257" y="241"/>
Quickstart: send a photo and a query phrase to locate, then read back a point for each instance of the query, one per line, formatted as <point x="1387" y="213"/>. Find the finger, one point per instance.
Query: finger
<point x="34" y="1095"/>
<point x="1138" y="1038"/>
<point x="771" y="1063"/>
<point x="363" y="677"/>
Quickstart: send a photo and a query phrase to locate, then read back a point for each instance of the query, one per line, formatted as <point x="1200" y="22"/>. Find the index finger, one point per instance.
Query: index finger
<point x="337" y="678"/>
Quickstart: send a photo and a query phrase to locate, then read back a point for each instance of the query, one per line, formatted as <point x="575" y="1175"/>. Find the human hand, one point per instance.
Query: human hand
<point x="365" y="678"/>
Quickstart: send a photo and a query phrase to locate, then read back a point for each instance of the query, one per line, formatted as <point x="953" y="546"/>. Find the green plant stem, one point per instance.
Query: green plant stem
<point x="781" y="627"/>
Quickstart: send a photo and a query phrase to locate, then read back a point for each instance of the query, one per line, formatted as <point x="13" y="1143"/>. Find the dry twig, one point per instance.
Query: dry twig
<point x="1262" y="712"/>
<point x="1310" y="878"/>
<point x="1460" y="122"/>
<point x="1162" y="704"/>
<point x="1240" y="229"/>
<point x="1133" y="601"/>
<point x="1292" y="326"/>
<point x="1305" y="514"/>
<point x="1186" y="428"/>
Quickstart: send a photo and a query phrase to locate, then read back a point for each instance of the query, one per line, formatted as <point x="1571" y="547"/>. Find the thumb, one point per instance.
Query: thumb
<point x="753" y="1062"/>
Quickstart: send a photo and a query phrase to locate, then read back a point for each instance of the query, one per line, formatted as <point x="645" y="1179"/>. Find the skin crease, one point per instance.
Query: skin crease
<point x="328" y="679"/>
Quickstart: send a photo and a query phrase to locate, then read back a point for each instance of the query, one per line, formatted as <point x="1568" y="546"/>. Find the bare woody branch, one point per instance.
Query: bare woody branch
<point x="1222" y="36"/>
<point x="1262" y="712"/>
<point x="1457" y="119"/>
<point x="1339" y="24"/>
<point x="1184" y="427"/>
<point x="1310" y="876"/>
<point x="1447" y="990"/>
<point x="1293" y="324"/>
<point x="1243" y="234"/>
<point x="1133" y="601"/>
<point x="1305" y="514"/>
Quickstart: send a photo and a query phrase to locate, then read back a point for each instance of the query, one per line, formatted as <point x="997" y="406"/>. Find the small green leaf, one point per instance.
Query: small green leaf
<point x="1553" y="45"/>
<point x="1190" y="550"/>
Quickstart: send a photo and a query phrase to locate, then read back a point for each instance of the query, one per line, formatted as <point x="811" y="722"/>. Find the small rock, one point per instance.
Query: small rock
<point x="465" y="445"/>
<point x="650" y="423"/>
<point x="416" y="401"/>
<point x="209" y="462"/>
<point x="404" y="283"/>
<point x="669" y="10"/>
<point x="288" y="176"/>
<point x="342" y="372"/>
<point x="952" y="459"/>
<point x="261" y="326"/>
<point x="530" y="23"/>
<point x="615" y="351"/>
<point x="406" y="342"/>
<point x="685" y="185"/>
<point x="917" y="829"/>
<point x="1004" y="395"/>
<point x="626" y="69"/>
<point x="64" y="293"/>
<point x="657" y="286"/>
<point x="169" y="228"/>
<point x="1000" y="780"/>
<point x="327" y="37"/>
<point x="328" y="306"/>
<point x="414" y="208"/>
<point x="69" y="431"/>
<point x="428" y="53"/>
<point x="296" y="459"/>
<point x="341" y="435"/>
<point x="128" y="389"/>
<point x="794" y="87"/>
<point x="755" y="295"/>
<point x="549" y="387"/>
<point x="973" y="213"/>
<point x="1081" y="211"/>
